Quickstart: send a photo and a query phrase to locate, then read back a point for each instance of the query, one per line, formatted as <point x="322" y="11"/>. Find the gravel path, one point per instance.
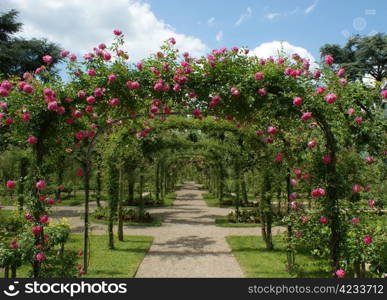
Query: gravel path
<point x="189" y="244"/>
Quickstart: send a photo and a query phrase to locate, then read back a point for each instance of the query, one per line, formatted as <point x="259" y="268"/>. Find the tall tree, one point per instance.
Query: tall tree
<point x="9" y="25"/>
<point x="361" y="55"/>
<point x="19" y="55"/>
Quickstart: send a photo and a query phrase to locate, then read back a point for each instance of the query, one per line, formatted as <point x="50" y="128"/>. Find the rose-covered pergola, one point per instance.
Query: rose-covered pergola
<point x="310" y="119"/>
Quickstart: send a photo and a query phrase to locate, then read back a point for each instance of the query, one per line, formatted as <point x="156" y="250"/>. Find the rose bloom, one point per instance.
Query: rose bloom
<point x="367" y="239"/>
<point x="340" y="273"/>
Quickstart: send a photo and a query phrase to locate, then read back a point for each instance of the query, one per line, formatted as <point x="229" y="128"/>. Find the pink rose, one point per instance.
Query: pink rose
<point x="41" y="184"/>
<point x="107" y="56"/>
<point x="43" y="219"/>
<point x="64" y="53"/>
<point x="371" y="203"/>
<point x="320" y="90"/>
<point x="327" y="159"/>
<point x="32" y="140"/>
<point x="50" y="201"/>
<point x="28" y="89"/>
<point x="47" y="59"/>
<point x="90" y="100"/>
<point x="278" y="157"/>
<point x="262" y="92"/>
<point x="259" y="76"/>
<point x="25" y="117"/>
<point x="154" y="109"/>
<point x="316" y="74"/>
<point x="340" y="273"/>
<point x="53" y="106"/>
<point x="272" y="130"/>
<point x="81" y="94"/>
<point x="4" y="92"/>
<point x="356" y="188"/>
<point x="112" y="78"/>
<point x="40" y="256"/>
<point x="10" y="184"/>
<point x="312" y="144"/>
<point x="73" y="57"/>
<point x="304" y="219"/>
<point x="91" y="72"/>
<point x="235" y="92"/>
<point x="306" y="116"/>
<point x="330" y="98"/>
<point x="328" y="60"/>
<point x="77" y="114"/>
<point x="319" y="192"/>
<point x="367" y="239"/>
<point x="9" y="121"/>
<point x="340" y="72"/>
<point x="297" y="101"/>
<point x="298" y="173"/>
<point x="36" y="230"/>
<point x="114" y="102"/>
<point x="117" y="32"/>
<point x="196" y="112"/>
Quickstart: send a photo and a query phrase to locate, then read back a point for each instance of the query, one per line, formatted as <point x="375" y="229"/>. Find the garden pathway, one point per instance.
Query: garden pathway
<point x="189" y="244"/>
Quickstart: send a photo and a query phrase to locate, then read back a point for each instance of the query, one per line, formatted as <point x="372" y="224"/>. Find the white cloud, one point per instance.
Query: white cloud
<point x="80" y="25"/>
<point x="244" y="16"/>
<point x="273" y="15"/>
<point x="284" y="48"/>
<point x="219" y="36"/>
<point x="311" y="7"/>
<point x="211" y="21"/>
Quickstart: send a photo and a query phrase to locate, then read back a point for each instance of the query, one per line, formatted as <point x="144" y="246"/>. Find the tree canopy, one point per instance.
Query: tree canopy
<point x="19" y="55"/>
<point x="361" y="55"/>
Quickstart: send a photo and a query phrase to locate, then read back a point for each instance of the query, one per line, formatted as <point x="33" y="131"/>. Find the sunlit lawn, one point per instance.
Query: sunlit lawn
<point x="257" y="262"/>
<point x="121" y="262"/>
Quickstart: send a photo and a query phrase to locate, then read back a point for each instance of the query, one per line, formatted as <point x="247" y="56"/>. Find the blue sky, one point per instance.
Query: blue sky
<point x="329" y="21"/>
<point x="200" y="25"/>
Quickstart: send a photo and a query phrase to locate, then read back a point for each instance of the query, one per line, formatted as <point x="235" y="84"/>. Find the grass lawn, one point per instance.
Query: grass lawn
<point x="8" y="201"/>
<point x="256" y="262"/>
<point x="223" y="222"/>
<point x="155" y="222"/>
<point x="5" y="213"/>
<point x="121" y="262"/>
<point x="213" y="201"/>
<point x="169" y="198"/>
